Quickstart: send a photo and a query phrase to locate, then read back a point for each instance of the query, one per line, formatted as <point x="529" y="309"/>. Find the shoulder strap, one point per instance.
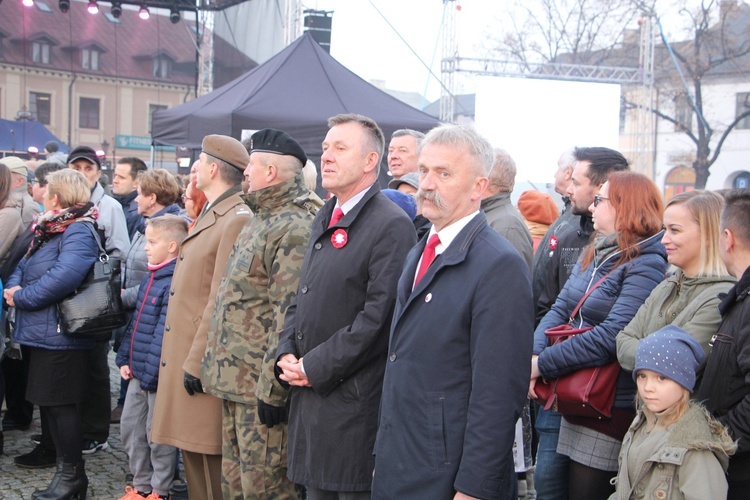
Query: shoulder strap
<point x="102" y="252"/>
<point x="586" y="295"/>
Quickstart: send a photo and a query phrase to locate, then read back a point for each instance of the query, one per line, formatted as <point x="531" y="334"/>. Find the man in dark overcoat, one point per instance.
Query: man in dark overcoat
<point x="456" y="376"/>
<point x="333" y="348"/>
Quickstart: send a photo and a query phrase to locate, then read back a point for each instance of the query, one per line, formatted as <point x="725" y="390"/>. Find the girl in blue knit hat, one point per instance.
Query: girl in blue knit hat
<point x="673" y="449"/>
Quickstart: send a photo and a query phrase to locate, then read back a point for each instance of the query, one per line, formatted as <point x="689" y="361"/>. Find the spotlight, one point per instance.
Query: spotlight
<point x="28" y="3"/>
<point x="116" y="10"/>
<point x="93" y="8"/>
<point x="64" y="6"/>
<point x="143" y="13"/>
<point x="174" y="16"/>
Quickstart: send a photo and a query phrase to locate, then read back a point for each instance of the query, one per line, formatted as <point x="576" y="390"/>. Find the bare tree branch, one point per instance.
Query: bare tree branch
<point x="735" y="122"/>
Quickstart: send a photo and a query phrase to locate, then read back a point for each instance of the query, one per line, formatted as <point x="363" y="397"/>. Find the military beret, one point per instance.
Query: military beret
<point x="277" y="142"/>
<point x="227" y="149"/>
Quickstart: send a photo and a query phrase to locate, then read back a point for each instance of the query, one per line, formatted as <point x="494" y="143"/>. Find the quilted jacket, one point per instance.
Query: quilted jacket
<point x="48" y="276"/>
<point x="609" y="308"/>
<point x="141" y="346"/>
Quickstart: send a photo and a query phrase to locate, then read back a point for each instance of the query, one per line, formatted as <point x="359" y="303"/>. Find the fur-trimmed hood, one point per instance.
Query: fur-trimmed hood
<point x="691" y="433"/>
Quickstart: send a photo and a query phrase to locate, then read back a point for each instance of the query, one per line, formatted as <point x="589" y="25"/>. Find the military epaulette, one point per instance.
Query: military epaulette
<point x="307" y="204"/>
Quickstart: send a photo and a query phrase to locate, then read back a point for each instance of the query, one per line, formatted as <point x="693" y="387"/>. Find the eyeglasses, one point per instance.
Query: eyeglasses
<point x="185" y="198"/>
<point x="598" y="199"/>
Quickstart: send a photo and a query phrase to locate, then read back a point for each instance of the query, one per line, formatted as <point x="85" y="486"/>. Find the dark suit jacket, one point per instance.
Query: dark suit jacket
<point x="339" y="324"/>
<point x="457" y="372"/>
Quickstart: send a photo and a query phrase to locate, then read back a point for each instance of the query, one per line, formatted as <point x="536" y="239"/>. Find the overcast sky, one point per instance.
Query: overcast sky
<point x="364" y="42"/>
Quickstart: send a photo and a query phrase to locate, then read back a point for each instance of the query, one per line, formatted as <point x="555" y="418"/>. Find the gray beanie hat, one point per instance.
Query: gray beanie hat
<point x="671" y="352"/>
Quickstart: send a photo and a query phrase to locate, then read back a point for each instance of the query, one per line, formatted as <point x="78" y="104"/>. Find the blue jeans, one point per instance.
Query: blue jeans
<point x="551" y="473"/>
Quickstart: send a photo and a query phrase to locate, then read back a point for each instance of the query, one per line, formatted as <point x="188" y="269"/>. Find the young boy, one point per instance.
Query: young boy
<point x="151" y="464"/>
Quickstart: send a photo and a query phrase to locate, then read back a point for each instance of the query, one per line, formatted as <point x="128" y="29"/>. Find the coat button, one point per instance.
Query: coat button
<point x="303" y="289"/>
<point x="318" y="246"/>
<point x="171" y="292"/>
<point x="300" y="335"/>
<point x="392" y="357"/>
<point x="163" y="363"/>
<point x="166" y="328"/>
<point x="182" y="256"/>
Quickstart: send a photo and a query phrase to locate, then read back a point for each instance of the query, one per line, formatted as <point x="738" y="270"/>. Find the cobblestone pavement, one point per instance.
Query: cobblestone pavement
<point x="105" y="469"/>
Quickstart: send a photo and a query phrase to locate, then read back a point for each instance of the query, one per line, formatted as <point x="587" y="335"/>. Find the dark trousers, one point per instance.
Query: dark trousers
<point x="95" y="409"/>
<point x="16" y="373"/>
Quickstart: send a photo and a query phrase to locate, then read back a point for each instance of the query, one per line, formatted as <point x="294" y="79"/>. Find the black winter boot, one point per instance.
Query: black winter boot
<point x="70" y="482"/>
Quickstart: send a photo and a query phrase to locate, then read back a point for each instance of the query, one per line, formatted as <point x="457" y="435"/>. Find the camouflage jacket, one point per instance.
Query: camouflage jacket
<point x="259" y="283"/>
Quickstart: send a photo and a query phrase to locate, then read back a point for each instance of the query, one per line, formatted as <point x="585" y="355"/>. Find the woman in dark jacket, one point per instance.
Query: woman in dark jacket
<point x="627" y="216"/>
<point x="158" y="191"/>
<point x="61" y="255"/>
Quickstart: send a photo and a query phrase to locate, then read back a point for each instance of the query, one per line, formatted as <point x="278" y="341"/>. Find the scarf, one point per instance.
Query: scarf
<point x="604" y="246"/>
<point x="56" y="222"/>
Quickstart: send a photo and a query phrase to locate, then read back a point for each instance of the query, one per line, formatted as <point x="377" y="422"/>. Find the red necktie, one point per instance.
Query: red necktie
<point x="337" y="215"/>
<point x="428" y="255"/>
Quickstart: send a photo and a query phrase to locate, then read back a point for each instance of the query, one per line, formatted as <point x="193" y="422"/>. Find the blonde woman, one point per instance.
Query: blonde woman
<point x="61" y="255"/>
<point x="688" y="297"/>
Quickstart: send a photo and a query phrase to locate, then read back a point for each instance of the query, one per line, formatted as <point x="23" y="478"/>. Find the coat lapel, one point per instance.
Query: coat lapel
<point x="453" y="255"/>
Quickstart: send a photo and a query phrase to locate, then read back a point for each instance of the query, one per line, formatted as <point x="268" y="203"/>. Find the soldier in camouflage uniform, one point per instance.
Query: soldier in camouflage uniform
<point x="260" y="282"/>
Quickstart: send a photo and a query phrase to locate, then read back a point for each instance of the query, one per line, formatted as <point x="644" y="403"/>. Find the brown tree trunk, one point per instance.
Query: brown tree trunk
<point x="700" y="166"/>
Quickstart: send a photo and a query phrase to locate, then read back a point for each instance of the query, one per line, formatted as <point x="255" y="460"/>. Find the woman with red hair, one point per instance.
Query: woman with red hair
<point x="627" y="254"/>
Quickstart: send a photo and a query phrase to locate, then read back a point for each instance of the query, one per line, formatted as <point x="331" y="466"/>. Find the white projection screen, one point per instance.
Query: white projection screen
<point x="536" y="120"/>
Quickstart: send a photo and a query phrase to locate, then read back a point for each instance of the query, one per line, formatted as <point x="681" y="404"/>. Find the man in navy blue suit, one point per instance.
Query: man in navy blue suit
<point x="456" y="377"/>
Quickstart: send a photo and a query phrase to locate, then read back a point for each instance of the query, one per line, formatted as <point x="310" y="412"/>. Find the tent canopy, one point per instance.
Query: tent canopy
<point x="19" y="136"/>
<point x="297" y="90"/>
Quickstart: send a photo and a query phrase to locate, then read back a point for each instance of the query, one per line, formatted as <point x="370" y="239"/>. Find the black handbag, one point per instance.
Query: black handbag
<point x="95" y="308"/>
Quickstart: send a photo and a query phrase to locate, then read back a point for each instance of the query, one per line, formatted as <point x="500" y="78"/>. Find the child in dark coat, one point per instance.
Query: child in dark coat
<point x="151" y="464"/>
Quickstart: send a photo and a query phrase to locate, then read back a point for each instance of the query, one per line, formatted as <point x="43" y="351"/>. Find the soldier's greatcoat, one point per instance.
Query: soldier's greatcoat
<point x="339" y="326"/>
<point x="193" y="423"/>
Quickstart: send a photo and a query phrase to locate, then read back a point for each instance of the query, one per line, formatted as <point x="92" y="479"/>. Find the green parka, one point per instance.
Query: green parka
<point x="691" y="466"/>
<point x="689" y="303"/>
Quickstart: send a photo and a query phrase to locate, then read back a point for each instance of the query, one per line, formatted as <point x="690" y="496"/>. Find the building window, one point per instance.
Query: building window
<point x="161" y="67"/>
<point x="43" y="7"/>
<point x="743" y="105"/>
<point x="683" y="112"/>
<point x="40" y="52"/>
<point x="88" y="113"/>
<point x="153" y="108"/>
<point x="40" y="106"/>
<point x="90" y="59"/>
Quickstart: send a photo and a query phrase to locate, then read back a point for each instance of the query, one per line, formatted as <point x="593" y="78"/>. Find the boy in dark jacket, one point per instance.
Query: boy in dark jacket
<point x="151" y="464"/>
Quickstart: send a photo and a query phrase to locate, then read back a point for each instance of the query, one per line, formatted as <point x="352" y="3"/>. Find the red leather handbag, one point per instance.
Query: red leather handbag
<point x="589" y="392"/>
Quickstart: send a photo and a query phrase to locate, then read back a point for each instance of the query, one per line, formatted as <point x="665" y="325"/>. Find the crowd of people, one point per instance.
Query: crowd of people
<point x="385" y="343"/>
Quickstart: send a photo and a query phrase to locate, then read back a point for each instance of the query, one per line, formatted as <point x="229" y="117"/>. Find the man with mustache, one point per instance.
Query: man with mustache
<point x="334" y="345"/>
<point x="456" y="379"/>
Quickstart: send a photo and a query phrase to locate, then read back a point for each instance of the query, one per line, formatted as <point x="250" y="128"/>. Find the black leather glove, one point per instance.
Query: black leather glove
<point x="192" y="384"/>
<point x="271" y="415"/>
